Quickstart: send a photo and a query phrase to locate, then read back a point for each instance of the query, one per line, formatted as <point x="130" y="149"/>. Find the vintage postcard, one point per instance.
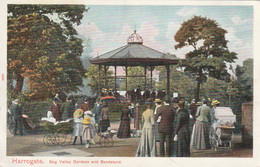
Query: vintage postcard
<point x="128" y="83"/>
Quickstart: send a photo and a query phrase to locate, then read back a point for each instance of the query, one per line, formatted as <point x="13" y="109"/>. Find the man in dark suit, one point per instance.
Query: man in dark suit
<point x="16" y="110"/>
<point x="165" y="117"/>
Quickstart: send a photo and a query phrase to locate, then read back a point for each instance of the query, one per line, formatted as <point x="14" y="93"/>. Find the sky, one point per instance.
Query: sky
<point x="108" y="27"/>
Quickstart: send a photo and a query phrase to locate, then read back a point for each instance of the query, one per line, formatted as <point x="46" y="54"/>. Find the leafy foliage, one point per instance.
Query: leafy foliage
<point x="244" y="80"/>
<point x="44" y="50"/>
<point x="210" y="54"/>
<point x="92" y="75"/>
<point x="139" y="80"/>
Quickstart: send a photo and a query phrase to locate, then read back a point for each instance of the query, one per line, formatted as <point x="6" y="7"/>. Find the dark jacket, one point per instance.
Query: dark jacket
<point x="55" y="109"/>
<point x="67" y="110"/>
<point x="104" y="113"/>
<point x="167" y="118"/>
<point x="16" y="110"/>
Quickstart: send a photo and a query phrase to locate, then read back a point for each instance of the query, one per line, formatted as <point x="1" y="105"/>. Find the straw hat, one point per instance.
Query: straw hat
<point x="198" y="103"/>
<point x="157" y="101"/>
<point x="78" y="113"/>
<point x="88" y="112"/>
<point x="215" y="102"/>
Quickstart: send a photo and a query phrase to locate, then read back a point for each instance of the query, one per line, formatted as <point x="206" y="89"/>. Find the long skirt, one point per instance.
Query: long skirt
<point x="200" y="136"/>
<point x="146" y="147"/>
<point x="124" y="129"/>
<point x="104" y="124"/>
<point x="87" y="132"/>
<point x="181" y="148"/>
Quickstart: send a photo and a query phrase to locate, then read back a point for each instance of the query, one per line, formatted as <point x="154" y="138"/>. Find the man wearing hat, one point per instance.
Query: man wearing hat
<point x="165" y="127"/>
<point x="67" y="109"/>
<point x="97" y="110"/>
<point x="16" y="111"/>
<point x="110" y="93"/>
<point x="55" y="109"/>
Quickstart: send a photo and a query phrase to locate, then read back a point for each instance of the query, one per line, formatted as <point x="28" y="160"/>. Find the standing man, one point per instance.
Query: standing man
<point x="67" y="109"/>
<point x="165" y="127"/>
<point x="16" y="110"/>
<point x="97" y="110"/>
<point x="55" y="109"/>
<point x="85" y="106"/>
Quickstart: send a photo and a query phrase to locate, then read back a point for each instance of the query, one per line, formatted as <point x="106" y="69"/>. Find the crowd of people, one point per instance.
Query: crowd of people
<point x="168" y="124"/>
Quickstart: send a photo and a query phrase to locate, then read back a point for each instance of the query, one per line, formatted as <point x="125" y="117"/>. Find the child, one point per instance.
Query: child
<point x="87" y="128"/>
<point x="77" y="127"/>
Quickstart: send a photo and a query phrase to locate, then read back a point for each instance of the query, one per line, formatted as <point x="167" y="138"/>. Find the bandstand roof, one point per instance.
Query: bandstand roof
<point x="134" y="54"/>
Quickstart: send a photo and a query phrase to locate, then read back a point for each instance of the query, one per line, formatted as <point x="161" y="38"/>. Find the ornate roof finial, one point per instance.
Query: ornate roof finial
<point x="135" y="39"/>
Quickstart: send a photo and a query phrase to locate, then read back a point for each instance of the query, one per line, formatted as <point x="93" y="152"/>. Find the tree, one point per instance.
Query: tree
<point x="179" y="82"/>
<point x="139" y="80"/>
<point x="92" y="76"/>
<point x="44" y="50"/>
<point x="210" y="54"/>
<point x="244" y="80"/>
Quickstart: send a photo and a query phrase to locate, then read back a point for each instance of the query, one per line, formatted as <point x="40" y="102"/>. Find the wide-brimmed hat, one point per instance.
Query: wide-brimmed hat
<point x="78" y="113"/>
<point x="157" y="101"/>
<point x="88" y="112"/>
<point x="215" y="102"/>
<point x="198" y="103"/>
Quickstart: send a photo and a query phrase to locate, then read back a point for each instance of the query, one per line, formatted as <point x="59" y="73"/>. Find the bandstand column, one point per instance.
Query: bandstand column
<point x="115" y="78"/>
<point x="99" y="68"/>
<point x="168" y="79"/>
<point x="145" y="77"/>
<point x="126" y="78"/>
<point x="151" y="77"/>
<point x="105" y="75"/>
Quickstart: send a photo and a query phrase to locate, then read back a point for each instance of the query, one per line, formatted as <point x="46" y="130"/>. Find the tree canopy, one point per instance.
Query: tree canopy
<point x="44" y="49"/>
<point x="210" y="54"/>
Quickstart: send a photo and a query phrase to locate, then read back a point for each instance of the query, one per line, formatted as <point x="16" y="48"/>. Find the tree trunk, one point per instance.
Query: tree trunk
<point x="19" y="83"/>
<point x="198" y="85"/>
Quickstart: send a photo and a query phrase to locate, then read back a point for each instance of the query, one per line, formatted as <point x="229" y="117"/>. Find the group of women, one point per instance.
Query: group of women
<point x="180" y="136"/>
<point x="182" y="140"/>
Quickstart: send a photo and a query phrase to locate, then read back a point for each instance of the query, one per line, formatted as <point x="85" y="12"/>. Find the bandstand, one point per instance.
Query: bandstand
<point x="134" y="54"/>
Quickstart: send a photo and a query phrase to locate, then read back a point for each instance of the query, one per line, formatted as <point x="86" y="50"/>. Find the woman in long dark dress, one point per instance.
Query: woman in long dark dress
<point x="182" y="132"/>
<point x="124" y="128"/>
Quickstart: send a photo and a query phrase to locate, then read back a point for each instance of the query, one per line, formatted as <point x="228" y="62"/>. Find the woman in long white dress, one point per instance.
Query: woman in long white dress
<point x="146" y="147"/>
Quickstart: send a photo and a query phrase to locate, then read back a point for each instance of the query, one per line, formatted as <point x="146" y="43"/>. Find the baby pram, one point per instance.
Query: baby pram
<point x="222" y="129"/>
